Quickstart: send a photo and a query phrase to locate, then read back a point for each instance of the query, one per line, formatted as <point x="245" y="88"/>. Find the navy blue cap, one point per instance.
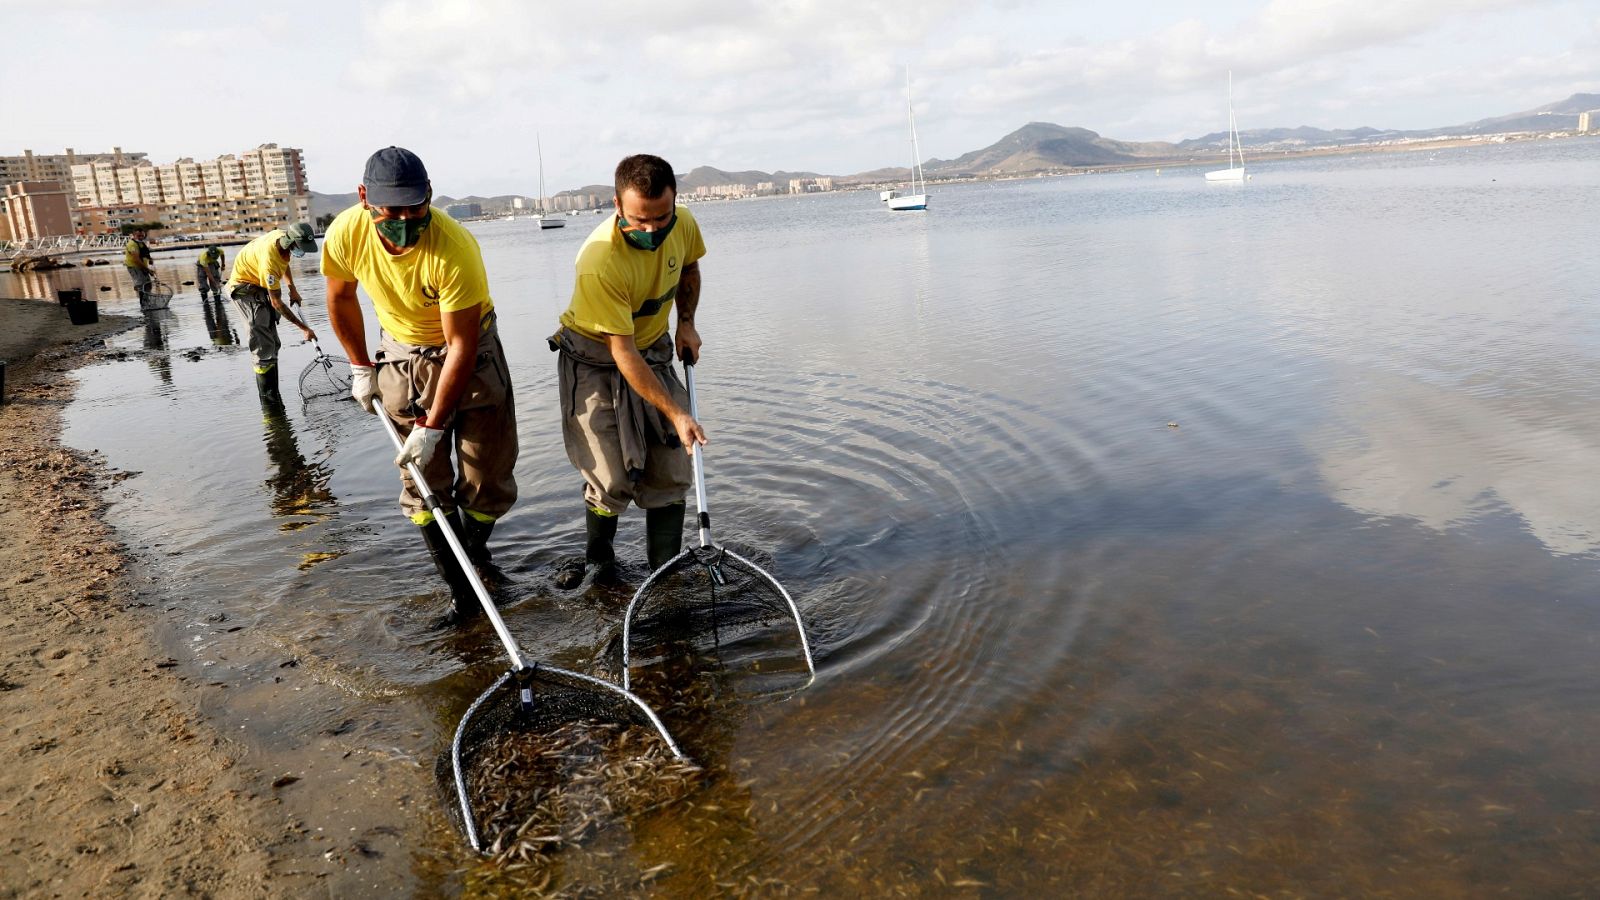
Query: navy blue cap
<point x="395" y="177"/>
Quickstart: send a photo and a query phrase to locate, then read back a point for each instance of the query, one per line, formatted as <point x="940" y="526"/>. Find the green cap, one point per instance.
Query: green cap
<point x="298" y="236"/>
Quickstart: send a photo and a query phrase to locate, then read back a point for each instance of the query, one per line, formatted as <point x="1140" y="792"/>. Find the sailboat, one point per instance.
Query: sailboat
<point x="1232" y="172"/>
<point x="545" y="220"/>
<point x="918" y="197"/>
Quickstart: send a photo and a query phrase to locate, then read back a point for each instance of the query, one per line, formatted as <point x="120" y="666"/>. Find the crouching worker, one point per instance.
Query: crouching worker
<point x="259" y="272"/>
<point x="439" y="372"/>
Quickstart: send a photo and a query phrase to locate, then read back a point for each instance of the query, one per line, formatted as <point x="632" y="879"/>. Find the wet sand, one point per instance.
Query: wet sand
<point x="118" y="786"/>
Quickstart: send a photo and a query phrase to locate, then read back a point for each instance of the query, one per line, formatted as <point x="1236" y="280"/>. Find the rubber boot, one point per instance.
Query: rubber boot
<point x="464" y="600"/>
<point x="663" y="534"/>
<point x="599" y="556"/>
<point x="267" y="385"/>
<point x="475" y="538"/>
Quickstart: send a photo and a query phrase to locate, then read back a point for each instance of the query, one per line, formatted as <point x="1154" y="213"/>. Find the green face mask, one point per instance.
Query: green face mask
<point x="401" y="232"/>
<point x="647" y="240"/>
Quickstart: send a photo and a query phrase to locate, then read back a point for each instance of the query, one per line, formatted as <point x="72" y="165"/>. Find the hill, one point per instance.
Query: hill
<point x="1045" y="146"/>
<point x="1042" y="145"/>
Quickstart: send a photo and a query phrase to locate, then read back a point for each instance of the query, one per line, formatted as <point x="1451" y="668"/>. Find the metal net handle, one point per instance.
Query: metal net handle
<point x="449" y="533"/>
<point x="525" y="678"/>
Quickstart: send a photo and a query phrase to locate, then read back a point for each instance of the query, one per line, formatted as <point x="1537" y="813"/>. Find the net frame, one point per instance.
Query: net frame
<point x="156" y="295"/>
<point x="524" y="674"/>
<point x="602" y="700"/>
<point x="325" y="378"/>
<point x="715" y="559"/>
<point x="709" y="555"/>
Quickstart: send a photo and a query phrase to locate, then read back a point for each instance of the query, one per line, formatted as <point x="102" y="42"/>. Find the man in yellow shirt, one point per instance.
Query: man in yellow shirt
<point x="439" y="371"/>
<point x="624" y="413"/>
<point x="136" y="256"/>
<point x="259" y="271"/>
<point x="208" y="272"/>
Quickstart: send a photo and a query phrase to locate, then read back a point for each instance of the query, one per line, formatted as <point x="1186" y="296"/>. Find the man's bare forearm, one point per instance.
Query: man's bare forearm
<point x="688" y="296"/>
<point x="349" y="326"/>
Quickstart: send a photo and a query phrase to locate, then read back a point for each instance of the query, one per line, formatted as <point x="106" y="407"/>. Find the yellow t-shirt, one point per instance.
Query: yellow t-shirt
<point x="442" y="273"/>
<point x="134" y="254"/>
<point x="209" y="258"/>
<point x="621" y="289"/>
<point x="260" y="263"/>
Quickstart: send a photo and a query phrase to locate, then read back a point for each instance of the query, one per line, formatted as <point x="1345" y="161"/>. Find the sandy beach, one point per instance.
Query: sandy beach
<point x="121" y="789"/>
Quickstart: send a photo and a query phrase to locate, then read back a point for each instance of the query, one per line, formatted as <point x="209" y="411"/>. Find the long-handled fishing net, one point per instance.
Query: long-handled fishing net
<point x="156" y="295"/>
<point x="325" y="377"/>
<point x="527" y="699"/>
<point x="708" y="589"/>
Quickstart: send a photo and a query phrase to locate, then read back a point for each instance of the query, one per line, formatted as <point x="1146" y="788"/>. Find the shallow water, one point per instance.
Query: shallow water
<point x="1154" y="537"/>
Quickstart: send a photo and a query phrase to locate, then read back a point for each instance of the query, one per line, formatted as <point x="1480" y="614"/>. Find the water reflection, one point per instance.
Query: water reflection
<point x="1444" y="458"/>
<point x="217" y="324"/>
<point x="157" y="322"/>
<point x="297" y="488"/>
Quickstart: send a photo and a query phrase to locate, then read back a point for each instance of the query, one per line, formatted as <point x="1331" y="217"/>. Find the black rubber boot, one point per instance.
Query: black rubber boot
<point x="475" y="539"/>
<point x="663" y="534"/>
<point x="267" y="384"/>
<point x="463" y="599"/>
<point x="599" y="556"/>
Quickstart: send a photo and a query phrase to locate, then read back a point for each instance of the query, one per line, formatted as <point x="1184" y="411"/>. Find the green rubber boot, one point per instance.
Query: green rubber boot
<point x="267" y="385"/>
<point x="475" y="539"/>
<point x="663" y="534"/>
<point x="599" y="556"/>
<point x="463" y="599"/>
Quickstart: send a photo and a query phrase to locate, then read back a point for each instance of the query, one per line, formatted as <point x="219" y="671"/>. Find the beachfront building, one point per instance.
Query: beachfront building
<point x="810" y="185"/>
<point x="56" y="167"/>
<point x="251" y="192"/>
<point x="37" y="209"/>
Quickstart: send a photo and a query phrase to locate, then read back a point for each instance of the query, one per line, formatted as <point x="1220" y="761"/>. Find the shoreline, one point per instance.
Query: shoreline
<point x="123" y="786"/>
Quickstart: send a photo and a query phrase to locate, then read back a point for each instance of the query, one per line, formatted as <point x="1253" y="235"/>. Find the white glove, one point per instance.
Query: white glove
<point x="363" y="385"/>
<point x="419" y="446"/>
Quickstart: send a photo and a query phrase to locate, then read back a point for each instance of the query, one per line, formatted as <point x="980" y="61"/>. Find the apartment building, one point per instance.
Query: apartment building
<point x="56" y="167"/>
<point x="36" y="209"/>
<point x="253" y="191"/>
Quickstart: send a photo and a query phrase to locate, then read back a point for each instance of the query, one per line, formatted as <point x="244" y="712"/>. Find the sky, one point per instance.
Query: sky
<point x="796" y="85"/>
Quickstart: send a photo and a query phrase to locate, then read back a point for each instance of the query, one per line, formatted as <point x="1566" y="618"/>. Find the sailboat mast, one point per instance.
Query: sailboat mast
<point x="916" y="153"/>
<point x="1234" y="143"/>
<point x="539" y="148"/>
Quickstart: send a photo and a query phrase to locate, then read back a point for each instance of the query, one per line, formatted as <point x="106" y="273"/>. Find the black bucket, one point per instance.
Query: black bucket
<point x="83" y="312"/>
<point x="69" y="295"/>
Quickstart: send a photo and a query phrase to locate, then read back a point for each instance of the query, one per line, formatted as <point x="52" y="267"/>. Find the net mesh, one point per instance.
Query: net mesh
<point x="512" y="765"/>
<point x="156" y="295"/>
<point x="325" y="378"/>
<point x="708" y="597"/>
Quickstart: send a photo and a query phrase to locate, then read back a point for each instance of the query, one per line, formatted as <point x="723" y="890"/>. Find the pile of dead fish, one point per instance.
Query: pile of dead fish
<point x="536" y="793"/>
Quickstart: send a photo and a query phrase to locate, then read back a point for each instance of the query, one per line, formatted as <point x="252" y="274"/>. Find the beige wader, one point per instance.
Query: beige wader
<point x="624" y="448"/>
<point x="483" y="430"/>
<point x="255" y="304"/>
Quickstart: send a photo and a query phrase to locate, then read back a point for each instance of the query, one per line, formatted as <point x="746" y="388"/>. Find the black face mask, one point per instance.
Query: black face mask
<point x="646" y="240"/>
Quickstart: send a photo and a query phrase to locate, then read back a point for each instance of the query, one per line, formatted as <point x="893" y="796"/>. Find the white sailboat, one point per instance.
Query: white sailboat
<point x="1232" y="172"/>
<point x="918" y="197"/>
<point x="545" y="220"/>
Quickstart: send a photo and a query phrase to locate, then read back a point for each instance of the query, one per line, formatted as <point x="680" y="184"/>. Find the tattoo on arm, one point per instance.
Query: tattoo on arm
<point x="688" y="298"/>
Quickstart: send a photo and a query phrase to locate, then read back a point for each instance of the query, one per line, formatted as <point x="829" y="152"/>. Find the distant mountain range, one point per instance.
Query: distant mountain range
<point x="1043" y="147"/>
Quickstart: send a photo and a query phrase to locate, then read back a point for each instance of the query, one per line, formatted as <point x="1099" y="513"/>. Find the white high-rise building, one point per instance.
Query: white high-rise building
<point x="256" y="190"/>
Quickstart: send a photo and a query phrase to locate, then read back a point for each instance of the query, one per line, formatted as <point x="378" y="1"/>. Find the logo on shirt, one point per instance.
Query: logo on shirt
<point x="672" y="262"/>
<point x="430" y="292"/>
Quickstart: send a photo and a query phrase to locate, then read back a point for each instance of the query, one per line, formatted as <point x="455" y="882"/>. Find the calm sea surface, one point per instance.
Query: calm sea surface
<point x="1154" y="538"/>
